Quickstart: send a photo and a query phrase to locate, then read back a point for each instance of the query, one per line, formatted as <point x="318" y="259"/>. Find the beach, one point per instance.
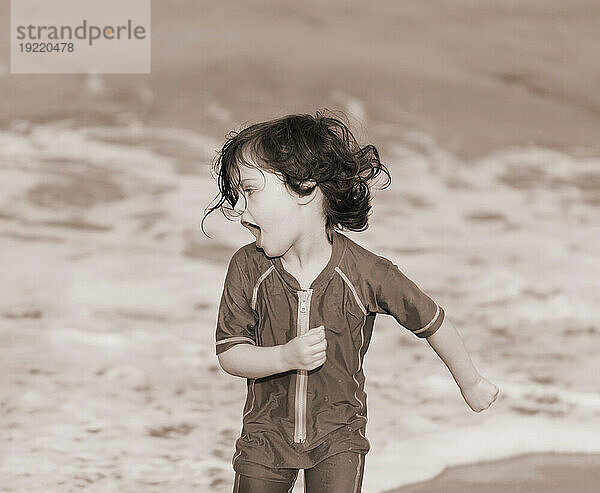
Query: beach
<point x="532" y="473"/>
<point x="487" y="117"/>
<point x="475" y="76"/>
<point x="108" y="325"/>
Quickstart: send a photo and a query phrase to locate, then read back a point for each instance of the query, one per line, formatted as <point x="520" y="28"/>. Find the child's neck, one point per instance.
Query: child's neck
<point x="307" y="258"/>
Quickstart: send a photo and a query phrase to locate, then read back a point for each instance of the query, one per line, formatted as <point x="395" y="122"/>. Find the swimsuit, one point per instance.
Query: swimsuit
<point x="298" y="418"/>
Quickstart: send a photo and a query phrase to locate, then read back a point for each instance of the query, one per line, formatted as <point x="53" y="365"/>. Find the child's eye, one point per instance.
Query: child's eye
<point x="249" y="191"/>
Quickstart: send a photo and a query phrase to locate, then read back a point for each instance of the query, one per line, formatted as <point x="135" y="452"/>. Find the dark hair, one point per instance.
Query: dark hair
<point x="301" y="148"/>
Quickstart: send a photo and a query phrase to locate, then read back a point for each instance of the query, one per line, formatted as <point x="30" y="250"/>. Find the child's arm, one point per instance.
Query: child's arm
<point x="304" y="352"/>
<point x="478" y="392"/>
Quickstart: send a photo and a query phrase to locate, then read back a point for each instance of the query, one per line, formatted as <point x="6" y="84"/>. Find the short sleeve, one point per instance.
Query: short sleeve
<point x="236" y="320"/>
<point x="400" y="297"/>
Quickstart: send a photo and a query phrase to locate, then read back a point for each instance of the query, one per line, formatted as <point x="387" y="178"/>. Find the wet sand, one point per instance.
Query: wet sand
<point x="543" y="473"/>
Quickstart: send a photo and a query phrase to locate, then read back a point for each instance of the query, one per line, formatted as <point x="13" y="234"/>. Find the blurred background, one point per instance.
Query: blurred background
<point x="487" y="114"/>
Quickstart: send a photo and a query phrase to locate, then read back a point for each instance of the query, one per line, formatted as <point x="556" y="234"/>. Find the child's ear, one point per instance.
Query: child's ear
<point x="308" y="185"/>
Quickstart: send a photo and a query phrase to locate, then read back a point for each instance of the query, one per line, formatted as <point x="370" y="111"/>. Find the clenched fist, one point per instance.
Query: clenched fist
<point x="480" y="395"/>
<point x="306" y="352"/>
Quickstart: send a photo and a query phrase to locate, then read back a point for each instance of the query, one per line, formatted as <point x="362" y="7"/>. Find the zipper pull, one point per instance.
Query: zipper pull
<point x="303" y="302"/>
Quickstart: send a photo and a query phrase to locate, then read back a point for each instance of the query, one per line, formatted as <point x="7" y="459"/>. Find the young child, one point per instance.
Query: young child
<point x="298" y="304"/>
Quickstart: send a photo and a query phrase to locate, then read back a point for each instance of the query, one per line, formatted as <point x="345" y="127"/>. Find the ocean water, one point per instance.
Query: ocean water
<point x="110" y="295"/>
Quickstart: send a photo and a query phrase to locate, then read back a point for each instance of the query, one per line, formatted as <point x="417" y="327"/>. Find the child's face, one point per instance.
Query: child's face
<point x="271" y="210"/>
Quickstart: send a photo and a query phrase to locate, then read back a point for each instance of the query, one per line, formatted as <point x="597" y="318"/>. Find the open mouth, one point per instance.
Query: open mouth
<point x="253" y="228"/>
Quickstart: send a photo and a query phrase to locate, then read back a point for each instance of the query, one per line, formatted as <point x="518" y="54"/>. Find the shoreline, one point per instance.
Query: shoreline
<point x="473" y="98"/>
<point x="532" y="473"/>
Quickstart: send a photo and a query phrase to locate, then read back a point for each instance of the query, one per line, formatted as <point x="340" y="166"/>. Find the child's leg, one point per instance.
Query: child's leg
<point x="340" y="473"/>
<point x="246" y="484"/>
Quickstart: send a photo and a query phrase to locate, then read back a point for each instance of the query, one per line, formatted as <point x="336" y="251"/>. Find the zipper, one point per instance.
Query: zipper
<point x="301" y="375"/>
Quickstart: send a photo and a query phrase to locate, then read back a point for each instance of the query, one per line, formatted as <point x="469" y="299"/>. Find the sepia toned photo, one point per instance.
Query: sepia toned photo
<point x="300" y="247"/>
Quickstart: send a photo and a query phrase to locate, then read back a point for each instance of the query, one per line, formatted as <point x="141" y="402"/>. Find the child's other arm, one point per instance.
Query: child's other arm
<point x="304" y="352"/>
<point x="478" y="392"/>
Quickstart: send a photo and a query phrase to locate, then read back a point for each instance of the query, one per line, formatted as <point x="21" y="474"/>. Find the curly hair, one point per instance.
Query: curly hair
<point x="304" y="148"/>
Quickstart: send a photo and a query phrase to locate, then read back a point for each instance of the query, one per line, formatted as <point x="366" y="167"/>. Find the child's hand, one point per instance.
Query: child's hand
<point x="480" y="395"/>
<point x="306" y="352"/>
